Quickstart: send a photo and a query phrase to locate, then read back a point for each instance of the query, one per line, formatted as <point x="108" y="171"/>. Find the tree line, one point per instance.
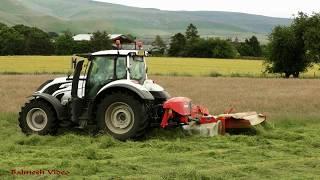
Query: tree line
<point x="190" y="44"/>
<point x="291" y="49"/>
<point x="24" y="40"/>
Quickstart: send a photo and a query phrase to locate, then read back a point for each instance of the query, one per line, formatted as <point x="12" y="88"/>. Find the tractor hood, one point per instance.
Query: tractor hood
<point x="61" y="87"/>
<point x="148" y="85"/>
<point x="63" y="82"/>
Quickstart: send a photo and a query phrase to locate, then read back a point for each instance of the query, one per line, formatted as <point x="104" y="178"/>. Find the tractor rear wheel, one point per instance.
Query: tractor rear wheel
<point x="122" y="116"/>
<point x="37" y="117"/>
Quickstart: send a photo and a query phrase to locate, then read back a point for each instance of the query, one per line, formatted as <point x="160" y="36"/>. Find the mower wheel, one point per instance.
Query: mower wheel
<point x="38" y="117"/>
<point x="122" y="116"/>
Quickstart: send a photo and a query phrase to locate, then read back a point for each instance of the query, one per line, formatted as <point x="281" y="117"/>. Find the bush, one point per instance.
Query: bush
<point x="191" y="45"/>
<point x="251" y="47"/>
<point x="215" y="74"/>
<point x="211" y="48"/>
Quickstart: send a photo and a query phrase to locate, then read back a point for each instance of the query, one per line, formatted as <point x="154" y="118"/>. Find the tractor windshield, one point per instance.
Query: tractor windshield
<point x="137" y="68"/>
<point x="105" y="69"/>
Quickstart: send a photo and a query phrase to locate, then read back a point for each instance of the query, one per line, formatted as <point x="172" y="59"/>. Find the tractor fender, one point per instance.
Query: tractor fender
<point x="60" y="110"/>
<point x="138" y="89"/>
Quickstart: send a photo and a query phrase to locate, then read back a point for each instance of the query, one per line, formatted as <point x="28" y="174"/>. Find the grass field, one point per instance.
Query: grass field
<point x="287" y="149"/>
<point x="157" y="66"/>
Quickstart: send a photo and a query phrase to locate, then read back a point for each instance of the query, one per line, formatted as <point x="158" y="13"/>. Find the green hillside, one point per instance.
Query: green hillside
<point x="82" y="16"/>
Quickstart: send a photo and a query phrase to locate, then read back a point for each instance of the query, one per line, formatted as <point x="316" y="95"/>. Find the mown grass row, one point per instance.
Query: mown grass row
<point x="287" y="149"/>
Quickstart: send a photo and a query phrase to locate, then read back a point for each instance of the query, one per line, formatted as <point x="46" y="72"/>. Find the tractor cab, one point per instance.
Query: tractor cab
<point x="109" y="89"/>
<point x="108" y="66"/>
<point x="106" y="70"/>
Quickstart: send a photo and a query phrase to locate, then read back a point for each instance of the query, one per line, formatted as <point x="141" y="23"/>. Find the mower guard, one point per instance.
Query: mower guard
<point x="181" y="109"/>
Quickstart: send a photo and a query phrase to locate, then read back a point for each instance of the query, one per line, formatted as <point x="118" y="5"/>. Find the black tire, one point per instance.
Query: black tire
<point x="129" y="112"/>
<point x="47" y="118"/>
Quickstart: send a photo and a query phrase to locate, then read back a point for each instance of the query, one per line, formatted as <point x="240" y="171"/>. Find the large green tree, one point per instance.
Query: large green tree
<point x="294" y="49"/>
<point x="177" y="45"/>
<point x="37" y="42"/>
<point x="192" y="33"/>
<point x="100" y="41"/>
<point x="11" y="41"/>
<point x="251" y="47"/>
<point x="82" y="47"/>
<point x="309" y="28"/>
<point x="159" y="46"/>
<point x="212" y="48"/>
<point x="191" y="45"/>
<point x="2" y="25"/>
<point x="65" y="44"/>
<point x="192" y="38"/>
<point x="286" y="53"/>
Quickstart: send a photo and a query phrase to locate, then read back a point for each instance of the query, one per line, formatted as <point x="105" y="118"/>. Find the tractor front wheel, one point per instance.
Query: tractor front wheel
<point x="37" y="117"/>
<point x="122" y="116"/>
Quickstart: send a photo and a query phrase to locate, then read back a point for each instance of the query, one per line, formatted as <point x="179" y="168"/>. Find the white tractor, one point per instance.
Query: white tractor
<point x="112" y="92"/>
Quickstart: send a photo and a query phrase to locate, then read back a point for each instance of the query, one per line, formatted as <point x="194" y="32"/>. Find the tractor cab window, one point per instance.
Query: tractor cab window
<point x="121" y="68"/>
<point x="103" y="72"/>
<point x="137" y="68"/>
<point x="102" y="69"/>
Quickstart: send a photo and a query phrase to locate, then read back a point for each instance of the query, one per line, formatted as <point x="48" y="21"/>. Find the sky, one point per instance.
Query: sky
<point x="274" y="8"/>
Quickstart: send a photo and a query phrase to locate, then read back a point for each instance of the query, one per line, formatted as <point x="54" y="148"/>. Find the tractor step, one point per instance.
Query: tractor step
<point x="66" y="124"/>
<point x="82" y="124"/>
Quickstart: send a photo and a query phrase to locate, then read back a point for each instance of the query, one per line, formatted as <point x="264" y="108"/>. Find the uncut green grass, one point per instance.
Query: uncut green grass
<point x="157" y="66"/>
<point x="288" y="149"/>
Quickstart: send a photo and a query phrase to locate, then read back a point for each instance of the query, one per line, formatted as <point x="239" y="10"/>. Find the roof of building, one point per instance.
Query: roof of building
<point x="82" y="37"/>
<point x="114" y="37"/>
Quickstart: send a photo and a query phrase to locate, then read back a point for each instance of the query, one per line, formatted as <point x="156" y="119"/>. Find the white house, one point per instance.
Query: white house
<point x="82" y="37"/>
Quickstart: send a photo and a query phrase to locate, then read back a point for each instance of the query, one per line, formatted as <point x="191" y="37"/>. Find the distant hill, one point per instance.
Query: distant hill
<point x="82" y="16"/>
